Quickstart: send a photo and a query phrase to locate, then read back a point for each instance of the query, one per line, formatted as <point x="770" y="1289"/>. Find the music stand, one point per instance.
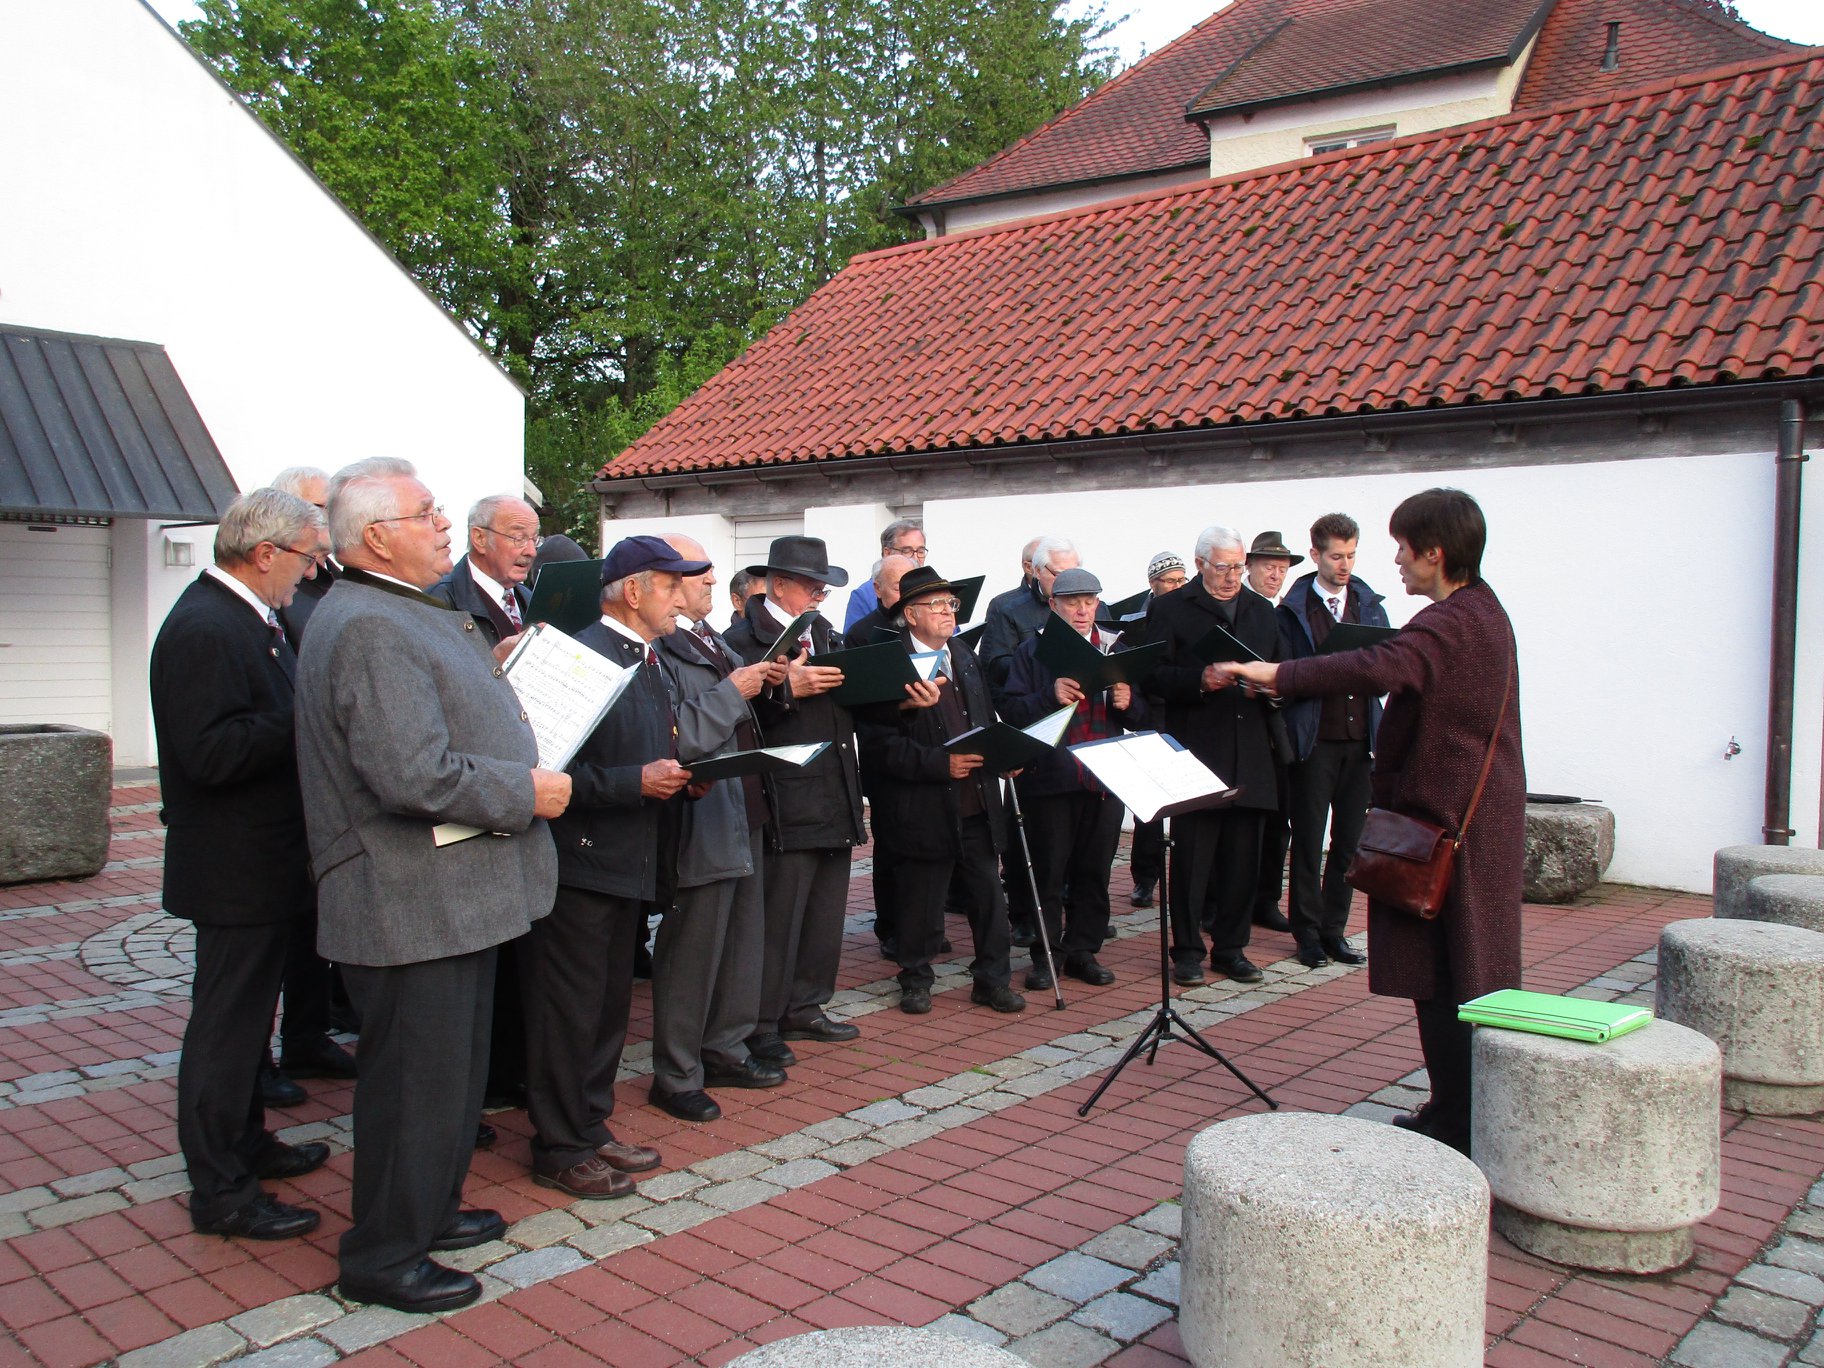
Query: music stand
<point x="1116" y="770"/>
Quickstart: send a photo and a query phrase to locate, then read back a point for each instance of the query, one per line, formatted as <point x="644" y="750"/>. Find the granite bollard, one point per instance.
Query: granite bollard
<point x="1568" y="849"/>
<point x="54" y="791"/>
<point x="1793" y="899"/>
<point x="1600" y="1156"/>
<point x="1312" y="1239"/>
<point x="1735" y="867"/>
<point x="877" y="1346"/>
<point x="1757" y="990"/>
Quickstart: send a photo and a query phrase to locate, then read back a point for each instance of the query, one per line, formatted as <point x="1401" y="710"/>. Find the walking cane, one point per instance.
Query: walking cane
<point x="1019" y="825"/>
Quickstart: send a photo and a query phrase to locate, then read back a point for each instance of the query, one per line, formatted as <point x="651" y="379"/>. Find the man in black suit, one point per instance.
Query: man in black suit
<point x="1217" y="858"/>
<point x="236" y="859"/>
<point x="1164" y="575"/>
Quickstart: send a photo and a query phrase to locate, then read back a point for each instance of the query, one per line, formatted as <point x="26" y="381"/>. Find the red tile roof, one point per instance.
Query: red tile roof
<point x="1137" y="123"/>
<point x="1672" y="237"/>
<point x="1371" y="43"/>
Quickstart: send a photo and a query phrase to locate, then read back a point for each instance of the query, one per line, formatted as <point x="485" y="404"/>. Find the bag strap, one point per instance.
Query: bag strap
<point x="1489" y="759"/>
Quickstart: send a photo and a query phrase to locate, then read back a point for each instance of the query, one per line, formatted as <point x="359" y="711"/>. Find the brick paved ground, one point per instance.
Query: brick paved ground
<point x="933" y="1170"/>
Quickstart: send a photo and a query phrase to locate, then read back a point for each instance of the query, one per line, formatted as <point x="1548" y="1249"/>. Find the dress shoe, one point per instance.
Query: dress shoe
<point x="1142" y="896"/>
<point x="428" y="1287"/>
<point x="1419" y="1119"/>
<point x="1272" y="920"/>
<point x="475" y="1226"/>
<point x="693" y="1105"/>
<point x="276" y="1159"/>
<point x="485" y="1136"/>
<point x="1187" y="974"/>
<point x="818" y="1027"/>
<point x="749" y="1073"/>
<point x="1342" y="952"/>
<point x="1038" y="978"/>
<point x="319" y="1058"/>
<point x="1024" y="933"/>
<point x="1000" y="999"/>
<point x="264" y="1218"/>
<point x="916" y="1001"/>
<point x="1089" y="969"/>
<point x="1238" y="967"/>
<point x="889" y="948"/>
<point x="944" y="947"/>
<point x="592" y="1177"/>
<point x="628" y="1158"/>
<point x="771" y="1046"/>
<point x="276" y="1090"/>
<point x="1312" y="956"/>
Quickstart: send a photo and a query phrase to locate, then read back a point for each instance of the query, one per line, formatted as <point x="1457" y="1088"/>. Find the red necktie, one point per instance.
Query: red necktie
<point x="512" y="607"/>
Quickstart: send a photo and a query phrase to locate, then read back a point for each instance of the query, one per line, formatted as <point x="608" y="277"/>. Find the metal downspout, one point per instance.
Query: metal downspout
<point x="1788" y="463"/>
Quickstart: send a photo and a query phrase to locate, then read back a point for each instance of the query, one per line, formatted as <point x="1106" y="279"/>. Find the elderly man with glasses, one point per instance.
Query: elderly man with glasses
<point x="1216" y="860"/>
<point x="906" y="538"/>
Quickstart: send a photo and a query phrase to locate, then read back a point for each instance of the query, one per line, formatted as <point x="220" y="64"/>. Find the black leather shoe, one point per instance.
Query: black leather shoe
<point x="1419" y="1120"/>
<point x="1187" y="974"/>
<point x="1024" y="933"/>
<point x="771" y="1046"/>
<point x="819" y="1027"/>
<point x="485" y="1136"/>
<point x="695" y="1106"/>
<point x="475" y="1226"/>
<point x="277" y="1159"/>
<point x="1142" y="896"/>
<point x="1238" y="967"/>
<point x="916" y="1001"/>
<point x="749" y="1073"/>
<point x="264" y="1218"/>
<point x="944" y="947"/>
<point x="1342" y="952"/>
<point x="276" y="1090"/>
<point x="1089" y="969"/>
<point x="428" y="1287"/>
<point x="1312" y="956"/>
<point x="1272" y="920"/>
<point x="1038" y="978"/>
<point x="1000" y="999"/>
<point x="319" y="1058"/>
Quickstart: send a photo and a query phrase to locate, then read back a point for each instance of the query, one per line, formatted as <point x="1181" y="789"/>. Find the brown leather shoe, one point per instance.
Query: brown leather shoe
<point x="628" y="1158"/>
<point x="593" y="1177"/>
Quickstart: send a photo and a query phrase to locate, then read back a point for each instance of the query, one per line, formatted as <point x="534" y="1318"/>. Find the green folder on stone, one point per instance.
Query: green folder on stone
<point x="1513" y="1009"/>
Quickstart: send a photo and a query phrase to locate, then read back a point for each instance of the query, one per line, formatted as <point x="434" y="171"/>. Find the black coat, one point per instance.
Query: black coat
<point x="916" y="804"/>
<point x="1013" y="617"/>
<point x="459" y="588"/>
<point x="1231" y="733"/>
<point x="221" y="687"/>
<point x="1031" y="692"/>
<point x="296" y="614"/>
<point x="817" y="807"/>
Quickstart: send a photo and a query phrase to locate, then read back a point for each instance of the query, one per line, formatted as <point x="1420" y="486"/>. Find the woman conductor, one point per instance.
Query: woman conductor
<point x="1454" y="692"/>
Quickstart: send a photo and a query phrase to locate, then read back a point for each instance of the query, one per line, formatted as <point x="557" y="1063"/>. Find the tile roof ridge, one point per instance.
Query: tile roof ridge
<point x="1733" y="24"/>
<point x="931" y="195"/>
<point x="1684" y="81"/>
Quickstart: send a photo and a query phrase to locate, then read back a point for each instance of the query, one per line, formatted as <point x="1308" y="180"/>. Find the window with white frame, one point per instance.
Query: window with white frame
<point x="1337" y="142"/>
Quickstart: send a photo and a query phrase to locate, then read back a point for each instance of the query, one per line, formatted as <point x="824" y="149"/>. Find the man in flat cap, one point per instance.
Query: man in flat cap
<point x="1268" y="560"/>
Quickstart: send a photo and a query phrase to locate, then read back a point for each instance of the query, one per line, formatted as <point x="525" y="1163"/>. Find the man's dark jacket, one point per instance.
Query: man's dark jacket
<point x="1032" y="693"/>
<point x="1230" y="732"/>
<point x="817" y="807"/>
<point x="609" y="838"/>
<point x="1296" y="643"/>
<point x="916" y="804"/>
<point x="296" y="615"/>
<point x="221" y="681"/>
<point x="459" y="588"/>
<point x="1012" y="618"/>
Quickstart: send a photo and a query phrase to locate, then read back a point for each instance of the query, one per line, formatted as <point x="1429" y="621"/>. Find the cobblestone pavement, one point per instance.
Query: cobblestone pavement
<point x="932" y="1172"/>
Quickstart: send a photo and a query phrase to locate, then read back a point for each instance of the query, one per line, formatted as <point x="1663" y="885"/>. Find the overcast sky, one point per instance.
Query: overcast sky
<point x="1150" y="24"/>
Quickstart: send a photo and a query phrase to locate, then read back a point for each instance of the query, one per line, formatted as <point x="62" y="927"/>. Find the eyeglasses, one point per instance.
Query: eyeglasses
<point x="1218" y="568"/>
<point x="937" y="605"/>
<point x="917" y="553"/>
<point x="512" y="539"/>
<point x="431" y="514"/>
<point x="280" y="546"/>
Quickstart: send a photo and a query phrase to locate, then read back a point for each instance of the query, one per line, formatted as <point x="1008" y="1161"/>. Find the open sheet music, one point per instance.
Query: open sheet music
<point x="1152" y="774"/>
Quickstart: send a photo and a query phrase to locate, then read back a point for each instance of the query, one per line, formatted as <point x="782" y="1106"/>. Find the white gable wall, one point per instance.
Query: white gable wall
<point x="143" y="201"/>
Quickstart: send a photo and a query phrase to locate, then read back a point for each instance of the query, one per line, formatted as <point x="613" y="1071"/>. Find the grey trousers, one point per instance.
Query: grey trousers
<point x="807" y="894"/>
<point x="706" y="972"/>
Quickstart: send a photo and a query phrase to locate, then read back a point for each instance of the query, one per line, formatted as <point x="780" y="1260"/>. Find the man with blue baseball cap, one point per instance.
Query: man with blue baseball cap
<point x="616" y="853"/>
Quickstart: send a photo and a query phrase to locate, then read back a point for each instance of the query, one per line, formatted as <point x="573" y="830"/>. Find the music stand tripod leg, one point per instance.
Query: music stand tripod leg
<point x="1032" y="880"/>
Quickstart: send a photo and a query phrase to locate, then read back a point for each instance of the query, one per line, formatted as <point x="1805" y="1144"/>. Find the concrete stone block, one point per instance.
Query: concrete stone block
<point x="1019" y="1310"/>
<point x="1066" y="1345"/>
<point x="1326" y="1239"/>
<point x="1792" y="899"/>
<point x="1123" y="1316"/>
<point x="1733" y="868"/>
<point x="1756" y="989"/>
<point x="1714" y="1345"/>
<point x="1767" y="1315"/>
<point x="1568" y="849"/>
<point x="54" y="788"/>
<point x="1600" y="1156"/>
<point x="877" y="1346"/>
<point x="1077" y="1277"/>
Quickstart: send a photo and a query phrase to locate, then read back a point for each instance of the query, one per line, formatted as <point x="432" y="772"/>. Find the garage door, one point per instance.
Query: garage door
<point x="54" y="657"/>
<point x="754" y="537"/>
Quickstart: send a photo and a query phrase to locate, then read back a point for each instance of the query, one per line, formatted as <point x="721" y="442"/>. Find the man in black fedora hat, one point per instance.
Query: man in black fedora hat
<point x="938" y="815"/>
<point x="1268" y="560"/>
<point x="816" y="819"/>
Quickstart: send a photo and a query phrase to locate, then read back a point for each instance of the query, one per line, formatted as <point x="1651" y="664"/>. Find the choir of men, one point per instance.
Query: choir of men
<point x="435" y="840"/>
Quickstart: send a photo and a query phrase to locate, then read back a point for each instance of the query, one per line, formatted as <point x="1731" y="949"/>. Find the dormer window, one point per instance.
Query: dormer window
<point x="1337" y="142"/>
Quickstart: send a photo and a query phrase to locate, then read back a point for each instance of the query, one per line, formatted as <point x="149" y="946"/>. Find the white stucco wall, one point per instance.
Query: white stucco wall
<point x="143" y="201"/>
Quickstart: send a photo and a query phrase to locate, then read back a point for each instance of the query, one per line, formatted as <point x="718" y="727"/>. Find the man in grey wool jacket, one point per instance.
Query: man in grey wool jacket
<point x="405" y="721"/>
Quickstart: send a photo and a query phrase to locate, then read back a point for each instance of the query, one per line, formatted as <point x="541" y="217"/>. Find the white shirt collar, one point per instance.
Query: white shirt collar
<point x="614" y="624"/>
<point x="241" y="591"/>
<point x="780" y="617"/>
<point x="486" y="582"/>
